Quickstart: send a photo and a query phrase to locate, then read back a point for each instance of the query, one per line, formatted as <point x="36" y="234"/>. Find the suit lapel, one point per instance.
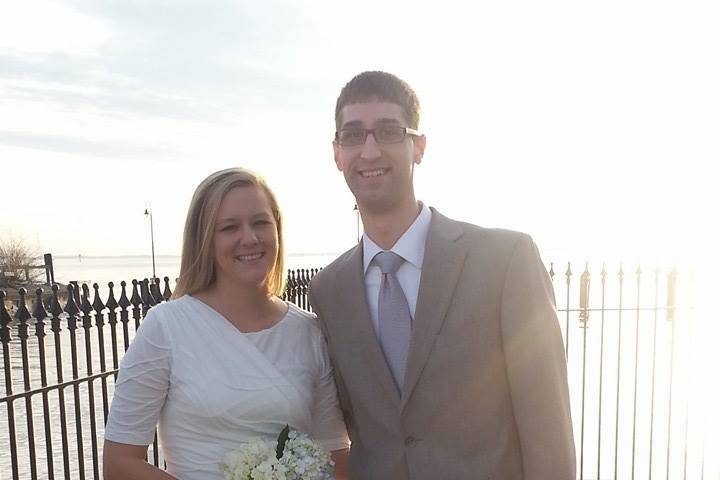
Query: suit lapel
<point x="358" y="325"/>
<point x="442" y="265"/>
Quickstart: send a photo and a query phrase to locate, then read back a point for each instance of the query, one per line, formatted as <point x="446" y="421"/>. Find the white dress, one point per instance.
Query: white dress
<point x="210" y="387"/>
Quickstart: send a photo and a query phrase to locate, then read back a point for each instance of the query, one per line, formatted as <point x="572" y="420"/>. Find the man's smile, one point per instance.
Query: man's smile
<point x="373" y="173"/>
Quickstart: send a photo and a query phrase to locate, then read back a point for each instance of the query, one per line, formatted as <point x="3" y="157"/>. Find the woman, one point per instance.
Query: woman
<point x="227" y="360"/>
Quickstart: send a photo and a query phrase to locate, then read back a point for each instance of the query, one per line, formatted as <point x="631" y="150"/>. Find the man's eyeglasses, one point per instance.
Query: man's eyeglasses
<point x="385" y="135"/>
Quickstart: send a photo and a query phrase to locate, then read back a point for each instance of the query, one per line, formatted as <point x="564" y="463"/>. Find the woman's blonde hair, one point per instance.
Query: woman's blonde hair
<point x="197" y="265"/>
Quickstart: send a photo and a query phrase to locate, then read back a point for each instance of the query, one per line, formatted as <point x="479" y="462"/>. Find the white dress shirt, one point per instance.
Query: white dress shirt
<point x="411" y="247"/>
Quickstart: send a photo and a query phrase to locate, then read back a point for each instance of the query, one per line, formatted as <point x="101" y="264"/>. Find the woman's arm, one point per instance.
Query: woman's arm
<point x="140" y="393"/>
<point x="127" y="462"/>
<point x="340" y="457"/>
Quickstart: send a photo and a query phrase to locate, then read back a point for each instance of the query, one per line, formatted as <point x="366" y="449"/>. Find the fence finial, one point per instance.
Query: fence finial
<point x="584" y="296"/>
<point x="568" y="274"/>
<point x="23" y="314"/>
<point x="55" y="307"/>
<point x="39" y="311"/>
<point x="5" y="320"/>
<point x="147" y="299"/>
<point x="124" y="302"/>
<point x="135" y="299"/>
<point x="71" y="307"/>
<point x="111" y="302"/>
<point x="97" y="304"/>
<point x="167" y="293"/>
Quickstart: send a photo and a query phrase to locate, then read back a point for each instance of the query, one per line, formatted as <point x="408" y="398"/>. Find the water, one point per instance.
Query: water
<point x="102" y="270"/>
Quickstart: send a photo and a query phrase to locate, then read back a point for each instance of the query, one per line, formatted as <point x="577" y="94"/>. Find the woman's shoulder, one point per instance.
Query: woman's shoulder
<point x="171" y="307"/>
<point x="302" y="320"/>
<point x="170" y="312"/>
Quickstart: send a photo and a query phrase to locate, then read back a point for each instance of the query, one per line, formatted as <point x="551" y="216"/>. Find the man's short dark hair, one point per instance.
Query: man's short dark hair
<point x="381" y="86"/>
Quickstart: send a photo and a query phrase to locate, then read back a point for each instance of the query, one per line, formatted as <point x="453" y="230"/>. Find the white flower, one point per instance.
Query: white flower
<point x="302" y="459"/>
<point x="305" y="459"/>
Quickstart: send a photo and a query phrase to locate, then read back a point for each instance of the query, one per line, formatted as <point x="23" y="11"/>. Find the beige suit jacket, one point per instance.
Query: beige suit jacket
<point x="485" y="393"/>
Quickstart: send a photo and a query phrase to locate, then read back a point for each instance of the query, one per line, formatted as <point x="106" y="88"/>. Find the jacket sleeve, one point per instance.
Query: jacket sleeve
<point x="343" y="396"/>
<point x="536" y="367"/>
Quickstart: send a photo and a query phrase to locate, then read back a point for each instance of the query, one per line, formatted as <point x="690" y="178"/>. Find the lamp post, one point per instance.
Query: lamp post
<point x="148" y="213"/>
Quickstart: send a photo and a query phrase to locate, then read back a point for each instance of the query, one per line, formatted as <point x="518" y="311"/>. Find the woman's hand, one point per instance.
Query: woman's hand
<point x="340" y="457"/>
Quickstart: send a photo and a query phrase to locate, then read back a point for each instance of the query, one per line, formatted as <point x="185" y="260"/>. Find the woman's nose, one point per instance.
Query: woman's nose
<point x="249" y="236"/>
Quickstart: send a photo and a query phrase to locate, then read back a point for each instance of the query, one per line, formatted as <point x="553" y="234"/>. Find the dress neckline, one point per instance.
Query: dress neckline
<point x="233" y="326"/>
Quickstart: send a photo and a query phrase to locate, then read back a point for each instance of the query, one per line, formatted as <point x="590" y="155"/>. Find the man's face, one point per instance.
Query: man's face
<point x="380" y="176"/>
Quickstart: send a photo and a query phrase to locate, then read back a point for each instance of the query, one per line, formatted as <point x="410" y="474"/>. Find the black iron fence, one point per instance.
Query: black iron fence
<point x="628" y="339"/>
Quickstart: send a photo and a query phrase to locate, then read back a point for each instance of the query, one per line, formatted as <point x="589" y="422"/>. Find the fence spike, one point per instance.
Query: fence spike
<point x="71" y="307"/>
<point x="85" y="307"/>
<point x="135" y="299"/>
<point x="584" y="295"/>
<point x="568" y="274"/>
<point x="603" y="274"/>
<point x="76" y="293"/>
<point x="147" y="299"/>
<point x="40" y="314"/>
<point x="56" y="310"/>
<point x="111" y="302"/>
<point x="167" y="293"/>
<point x="97" y="304"/>
<point x="155" y="290"/>
<point x="5" y="320"/>
<point x="552" y="271"/>
<point x="22" y="314"/>
<point x="55" y="307"/>
<point x="124" y="303"/>
<point x="39" y="311"/>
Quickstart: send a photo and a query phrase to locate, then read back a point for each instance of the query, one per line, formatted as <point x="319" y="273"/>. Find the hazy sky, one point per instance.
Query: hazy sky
<point x="590" y="125"/>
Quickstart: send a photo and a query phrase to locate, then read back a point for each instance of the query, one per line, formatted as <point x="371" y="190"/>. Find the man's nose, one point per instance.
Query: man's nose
<point x="370" y="149"/>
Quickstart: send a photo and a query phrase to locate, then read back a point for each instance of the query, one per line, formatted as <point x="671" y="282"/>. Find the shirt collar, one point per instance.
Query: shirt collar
<point x="410" y="246"/>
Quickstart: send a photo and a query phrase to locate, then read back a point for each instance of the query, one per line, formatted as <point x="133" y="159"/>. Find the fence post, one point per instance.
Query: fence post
<point x="72" y="310"/>
<point x="40" y="314"/>
<point x="56" y="310"/>
<point x="5" y="338"/>
<point x="49" y="270"/>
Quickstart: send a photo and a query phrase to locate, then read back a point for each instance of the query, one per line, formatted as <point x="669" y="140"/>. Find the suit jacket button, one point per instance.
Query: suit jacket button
<point x="410" y="441"/>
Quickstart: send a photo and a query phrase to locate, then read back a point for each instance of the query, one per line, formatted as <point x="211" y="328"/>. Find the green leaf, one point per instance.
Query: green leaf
<point x="282" y="440"/>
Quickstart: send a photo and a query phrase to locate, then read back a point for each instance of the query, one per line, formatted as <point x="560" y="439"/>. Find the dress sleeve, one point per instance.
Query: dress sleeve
<point x="141" y="386"/>
<point x="328" y="425"/>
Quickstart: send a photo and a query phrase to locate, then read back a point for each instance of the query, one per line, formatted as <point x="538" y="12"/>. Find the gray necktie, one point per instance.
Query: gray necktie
<point x="394" y="316"/>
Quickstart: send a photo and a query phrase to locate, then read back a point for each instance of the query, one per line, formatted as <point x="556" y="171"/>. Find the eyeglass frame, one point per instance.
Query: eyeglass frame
<point x="367" y="131"/>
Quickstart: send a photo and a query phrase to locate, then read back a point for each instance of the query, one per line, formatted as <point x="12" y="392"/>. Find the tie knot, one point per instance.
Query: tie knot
<point x="389" y="262"/>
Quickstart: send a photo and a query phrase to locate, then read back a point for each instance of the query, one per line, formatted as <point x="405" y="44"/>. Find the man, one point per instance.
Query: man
<point x="448" y="356"/>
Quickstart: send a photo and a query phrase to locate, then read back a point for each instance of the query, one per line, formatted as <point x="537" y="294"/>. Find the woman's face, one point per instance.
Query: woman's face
<point x="245" y="237"/>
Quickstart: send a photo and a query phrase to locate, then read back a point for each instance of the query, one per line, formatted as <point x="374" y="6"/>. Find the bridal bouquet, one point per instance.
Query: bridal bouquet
<point x="295" y="457"/>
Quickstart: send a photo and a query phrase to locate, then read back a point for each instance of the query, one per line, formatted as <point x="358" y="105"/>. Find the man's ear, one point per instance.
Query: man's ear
<point x="336" y="153"/>
<point x="419" y="148"/>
